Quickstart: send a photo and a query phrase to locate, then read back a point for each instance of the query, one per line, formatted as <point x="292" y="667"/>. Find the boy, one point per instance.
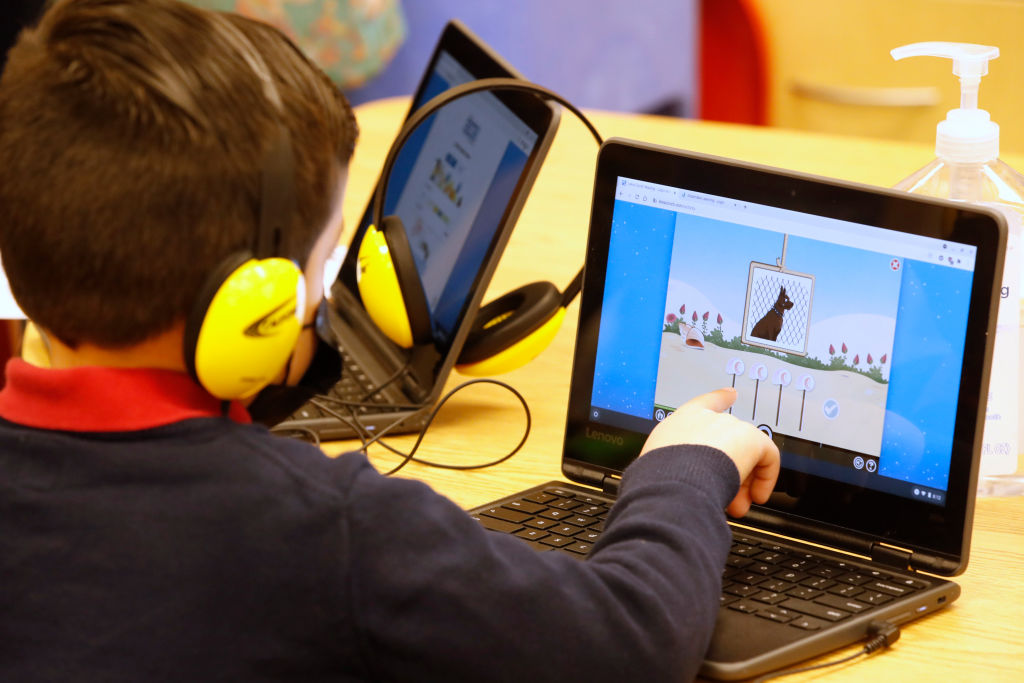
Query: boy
<point x="149" y="532"/>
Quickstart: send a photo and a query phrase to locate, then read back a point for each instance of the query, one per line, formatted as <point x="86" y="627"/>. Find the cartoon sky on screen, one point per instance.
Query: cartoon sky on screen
<point x="803" y="329"/>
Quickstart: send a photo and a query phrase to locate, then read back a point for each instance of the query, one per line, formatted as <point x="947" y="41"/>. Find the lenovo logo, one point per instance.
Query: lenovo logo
<point x="602" y="436"/>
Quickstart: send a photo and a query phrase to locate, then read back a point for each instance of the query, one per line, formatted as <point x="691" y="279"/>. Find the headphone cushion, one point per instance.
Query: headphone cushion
<point x="509" y="319"/>
<point x="390" y="287"/>
<point x="245" y="325"/>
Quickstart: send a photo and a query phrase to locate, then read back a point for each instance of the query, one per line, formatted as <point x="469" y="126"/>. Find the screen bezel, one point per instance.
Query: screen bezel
<point x="865" y="516"/>
<point x="431" y="361"/>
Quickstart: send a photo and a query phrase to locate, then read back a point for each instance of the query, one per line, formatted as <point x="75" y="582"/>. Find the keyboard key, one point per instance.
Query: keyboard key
<point x="819" y="582"/>
<point x="801" y="564"/>
<point x="592" y="510"/>
<point x="581" y="520"/>
<point x="745" y="540"/>
<point x="531" y="534"/>
<point x="749" y="578"/>
<point x="854" y="578"/>
<point x="771" y="557"/>
<point x="556" y="515"/>
<point x="540" y="497"/>
<point x="875" y="598"/>
<point x="588" y="536"/>
<point x="556" y="541"/>
<point x="842" y="603"/>
<point x="740" y="589"/>
<point x="506" y="514"/>
<point x="888" y="587"/>
<point x="524" y="506"/>
<point x="804" y="592"/>
<point x="565" y="530"/>
<point x="909" y="582"/>
<point x="581" y="548"/>
<point x="744" y="550"/>
<point x="738" y="562"/>
<point x="540" y="523"/>
<point x="308" y="413"/>
<point x="769" y="598"/>
<point x="565" y="504"/>
<point x="846" y="590"/>
<point x="807" y="623"/>
<point x="815" y="610"/>
<point x="777" y="585"/>
<point x="825" y="571"/>
<point x="781" y="618"/>
<point x="745" y="606"/>
<point x="561" y="493"/>
<point x="498" y="524"/>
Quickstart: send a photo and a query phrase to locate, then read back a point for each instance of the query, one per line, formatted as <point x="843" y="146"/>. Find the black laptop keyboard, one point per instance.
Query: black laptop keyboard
<point x="789" y="585"/>
<point x="354" y="388"/>
<point x="764" y="578"/>
<point x="550" y="519"/>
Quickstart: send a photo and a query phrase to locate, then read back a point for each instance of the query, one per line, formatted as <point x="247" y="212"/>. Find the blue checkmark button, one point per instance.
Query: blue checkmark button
<point x="830" y="408"/>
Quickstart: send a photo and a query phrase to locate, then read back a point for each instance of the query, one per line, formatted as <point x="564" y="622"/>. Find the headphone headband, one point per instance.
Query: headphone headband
<point x="432" y="105"/>
<point x="277" y="185"/>
<point x="437" y="102"/>
<point x="248" y="316"/>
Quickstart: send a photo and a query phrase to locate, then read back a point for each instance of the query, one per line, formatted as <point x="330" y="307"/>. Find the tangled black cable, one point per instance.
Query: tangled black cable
<point x="366" y="439"/>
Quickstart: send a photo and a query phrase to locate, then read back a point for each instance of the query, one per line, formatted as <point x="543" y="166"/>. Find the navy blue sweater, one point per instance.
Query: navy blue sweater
<point x="206" y="549"/>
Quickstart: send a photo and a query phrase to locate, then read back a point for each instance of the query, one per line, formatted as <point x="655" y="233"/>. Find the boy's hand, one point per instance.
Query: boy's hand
<point x="701" y="422"/>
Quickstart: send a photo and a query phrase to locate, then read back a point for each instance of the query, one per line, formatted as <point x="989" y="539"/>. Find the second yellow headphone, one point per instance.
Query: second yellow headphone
<point x="506" y="332"/>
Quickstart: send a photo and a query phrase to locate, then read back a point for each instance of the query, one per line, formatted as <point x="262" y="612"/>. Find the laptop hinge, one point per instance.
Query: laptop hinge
<point x="611" y="484"/>
<point x="892" y="556"/>
<point x="606" y="482"/>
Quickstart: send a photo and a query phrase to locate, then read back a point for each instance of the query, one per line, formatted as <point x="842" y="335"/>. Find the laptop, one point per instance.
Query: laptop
<point x="458" y="185"/>
<point x="856" y="325"/>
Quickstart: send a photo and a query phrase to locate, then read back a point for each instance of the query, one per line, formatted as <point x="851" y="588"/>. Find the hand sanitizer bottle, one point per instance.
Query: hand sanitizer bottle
<point x="967" y="167"/>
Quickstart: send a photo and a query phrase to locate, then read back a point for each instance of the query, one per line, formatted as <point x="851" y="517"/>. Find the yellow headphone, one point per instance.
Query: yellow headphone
<point x="247" y="319"/>
<point x="507" y="332"/>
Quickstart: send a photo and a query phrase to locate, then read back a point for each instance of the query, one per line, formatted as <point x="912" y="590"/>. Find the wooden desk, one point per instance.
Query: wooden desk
<point x="980" y="637"/>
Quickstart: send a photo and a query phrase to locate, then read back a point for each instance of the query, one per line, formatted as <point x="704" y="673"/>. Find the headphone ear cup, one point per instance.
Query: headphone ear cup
<point x="511" y="330"/>
<point x="245" y="325"/>
<point x="389" y="284"/>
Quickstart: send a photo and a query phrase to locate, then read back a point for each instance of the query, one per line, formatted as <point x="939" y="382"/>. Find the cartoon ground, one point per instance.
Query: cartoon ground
<point x="844" y="409"/>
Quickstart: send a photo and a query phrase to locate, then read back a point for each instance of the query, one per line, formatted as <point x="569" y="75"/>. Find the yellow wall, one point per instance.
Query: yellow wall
<point x="843" y="45"/>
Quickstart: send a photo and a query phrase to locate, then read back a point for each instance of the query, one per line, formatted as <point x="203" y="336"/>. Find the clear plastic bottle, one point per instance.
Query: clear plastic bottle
<point x="967" y="168"/>
<point x="990" y="181"/>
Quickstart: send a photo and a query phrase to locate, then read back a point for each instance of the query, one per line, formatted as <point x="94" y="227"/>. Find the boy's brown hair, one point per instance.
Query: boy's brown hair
<point x="115" y="202"/>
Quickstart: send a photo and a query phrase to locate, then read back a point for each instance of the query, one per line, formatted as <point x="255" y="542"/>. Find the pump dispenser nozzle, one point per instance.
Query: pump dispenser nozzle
<point x="968" y="135"/>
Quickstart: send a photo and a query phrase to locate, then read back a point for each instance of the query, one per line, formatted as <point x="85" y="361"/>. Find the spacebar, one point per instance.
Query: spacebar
<point x="814" y="609"/>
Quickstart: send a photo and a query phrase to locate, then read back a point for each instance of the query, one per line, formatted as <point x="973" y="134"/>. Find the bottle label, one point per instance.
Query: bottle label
<point x="1002" y="417"/>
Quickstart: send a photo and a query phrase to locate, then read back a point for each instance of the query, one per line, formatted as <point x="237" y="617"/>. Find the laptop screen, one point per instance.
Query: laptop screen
<point x="855" y="324"/>
<point x="845" y="339"/>
<point x="455" y="180"/>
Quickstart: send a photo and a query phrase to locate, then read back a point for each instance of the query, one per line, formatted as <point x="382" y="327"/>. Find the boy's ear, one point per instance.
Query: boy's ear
<point x="35" y="346"/>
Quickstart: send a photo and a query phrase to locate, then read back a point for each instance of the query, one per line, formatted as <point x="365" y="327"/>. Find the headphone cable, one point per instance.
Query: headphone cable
<point x="400" y="372"/>
<point x="367" y="440"/>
